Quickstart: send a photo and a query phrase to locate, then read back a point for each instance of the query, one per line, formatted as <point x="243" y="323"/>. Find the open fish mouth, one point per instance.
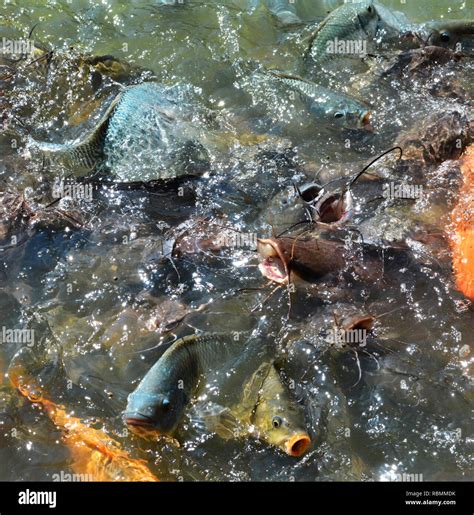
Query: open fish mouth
<point x="272" y="262"/>
<point x="297" y="445"/>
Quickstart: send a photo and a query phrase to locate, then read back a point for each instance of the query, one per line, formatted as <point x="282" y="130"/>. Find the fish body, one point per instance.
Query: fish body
<point x="349" y="22"/>
<point x="159" y="401"/>
<point x="95" y="455"/>
<point x="277" y="417"/>
<point x="462" y="239"/>
<point x="143" y="136"/>
<point x="326" y="104"/>
<point x="284" y="11"/>
<point x="367" y="23"/>
<point x="264" y="407"/>
<point x="311" y="258"/>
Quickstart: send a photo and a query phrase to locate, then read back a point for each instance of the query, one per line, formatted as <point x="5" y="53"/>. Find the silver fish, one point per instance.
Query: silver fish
<point x="355" y="22"/>
<point x="326" y="104"/>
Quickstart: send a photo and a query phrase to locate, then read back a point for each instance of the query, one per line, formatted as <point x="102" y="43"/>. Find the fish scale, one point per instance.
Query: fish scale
<point x="144" y="135"/>
<point x="141" y="119"/>
<point x="325" y="103"/>
<point x="351" y="21"/>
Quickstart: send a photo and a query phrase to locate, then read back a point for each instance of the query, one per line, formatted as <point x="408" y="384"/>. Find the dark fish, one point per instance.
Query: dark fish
<point x="159" y="401"/>
<point x="457" y="35"/>
<point x="311" y="258"/>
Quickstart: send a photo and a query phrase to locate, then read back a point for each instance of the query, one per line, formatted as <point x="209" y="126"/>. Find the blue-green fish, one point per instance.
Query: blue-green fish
<point x="355" y="29"/>
<point x="354" y="22"/>
<point x="145" y="134"/>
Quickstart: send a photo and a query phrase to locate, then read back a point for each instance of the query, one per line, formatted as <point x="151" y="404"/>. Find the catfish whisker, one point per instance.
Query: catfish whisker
<point x="358" y="367"/>
<point x="260" y="304"/>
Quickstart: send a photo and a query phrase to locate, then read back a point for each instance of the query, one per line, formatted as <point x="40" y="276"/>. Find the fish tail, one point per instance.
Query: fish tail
<point x="24" y="376"/>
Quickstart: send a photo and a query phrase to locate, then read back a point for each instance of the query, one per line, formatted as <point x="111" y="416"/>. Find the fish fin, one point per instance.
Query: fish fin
<point x="211" y="417"/>
<point x="85" y="153"/>
<point x="252" y="388"/>
<point x="283" y="75"/>
<point x="308" y="40"/>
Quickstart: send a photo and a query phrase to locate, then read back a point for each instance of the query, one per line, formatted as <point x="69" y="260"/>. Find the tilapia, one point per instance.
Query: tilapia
<point x="325" y="104"/>
<point x="284" y="11"/>
<point x="355" y="29"/>
<point x="144" y="135"/>
<point x="357" y="22"/>
<point x="265" y="408"/>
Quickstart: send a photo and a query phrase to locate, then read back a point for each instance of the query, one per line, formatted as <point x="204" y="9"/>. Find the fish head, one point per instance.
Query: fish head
<point x="351" y="115"/>
<point x="154" y="413"/>
<point x="280" y="422"/>
<point x="278" y="419"/>
<point x="273" y="262"/>
<point x="456" y="35"/>
<point x="368" y="16"/>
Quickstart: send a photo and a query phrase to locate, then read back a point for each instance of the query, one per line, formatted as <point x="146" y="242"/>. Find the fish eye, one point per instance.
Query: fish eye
<point x="338" y="114"/>
<point x="445" y="37"/>
<point x="276" y="422"/>
<point x="165" y="404"/>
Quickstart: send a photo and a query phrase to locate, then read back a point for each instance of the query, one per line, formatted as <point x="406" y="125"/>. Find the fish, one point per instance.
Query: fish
<point x="335" y="107"/>
<point x="348" y="22"/>
<point x="454" y="34"/>
<point x="159" y="401"/>
<point x="419" y="61"/>
<point x="369" y="24"/>
<point x="462" y="235"/>
<point x="265" y="410"/>
<point x="95" y="455"/>
<point x="278" y="418"/>
<point x="310" y="258"/>
<point x="142" y="136"/>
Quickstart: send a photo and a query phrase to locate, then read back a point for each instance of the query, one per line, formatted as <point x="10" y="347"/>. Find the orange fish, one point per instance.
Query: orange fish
<point x="95" y="455"/>
<point x="462" y="238"/>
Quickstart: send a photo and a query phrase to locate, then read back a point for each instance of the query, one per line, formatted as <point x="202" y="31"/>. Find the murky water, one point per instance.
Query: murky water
<point x="99" y="283"/>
